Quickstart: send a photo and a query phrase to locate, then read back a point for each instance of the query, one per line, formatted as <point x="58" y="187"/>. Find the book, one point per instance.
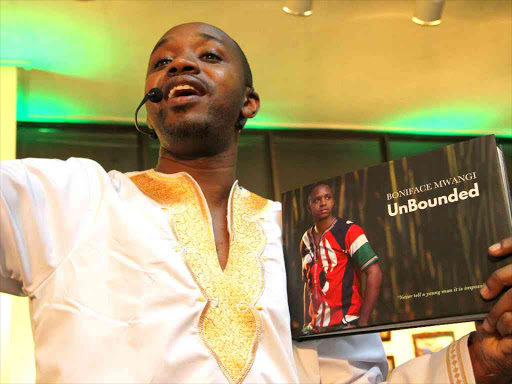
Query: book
<point x="426" y="221"/>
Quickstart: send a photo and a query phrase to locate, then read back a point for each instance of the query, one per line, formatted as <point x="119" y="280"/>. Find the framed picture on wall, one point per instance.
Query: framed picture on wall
<point x="391" y="363"/>
<point x="425" y="343"/>
<point x="385" y="335"/>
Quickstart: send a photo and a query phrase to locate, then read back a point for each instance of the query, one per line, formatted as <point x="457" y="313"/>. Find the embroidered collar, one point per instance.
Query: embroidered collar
<point x="229" y="325"/>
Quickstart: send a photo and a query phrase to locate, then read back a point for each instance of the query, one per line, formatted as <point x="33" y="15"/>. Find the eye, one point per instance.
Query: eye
<point x="161" y="62"/>
<point x="210" y="56"/>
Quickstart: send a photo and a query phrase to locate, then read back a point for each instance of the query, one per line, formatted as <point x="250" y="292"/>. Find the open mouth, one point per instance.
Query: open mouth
<point x="182" y="91"/>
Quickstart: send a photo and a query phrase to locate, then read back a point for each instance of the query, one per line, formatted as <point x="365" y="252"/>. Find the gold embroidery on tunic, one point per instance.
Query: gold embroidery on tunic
<point x="230" y="325"/>
<point x="459" y="355"/>
<point x="455" y="365"/>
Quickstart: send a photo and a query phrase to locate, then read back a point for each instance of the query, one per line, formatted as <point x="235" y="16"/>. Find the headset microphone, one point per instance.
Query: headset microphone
<point x="154" y="95"/>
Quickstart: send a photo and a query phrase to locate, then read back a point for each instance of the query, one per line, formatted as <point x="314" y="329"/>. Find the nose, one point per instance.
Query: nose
<point x="183" y="64"/>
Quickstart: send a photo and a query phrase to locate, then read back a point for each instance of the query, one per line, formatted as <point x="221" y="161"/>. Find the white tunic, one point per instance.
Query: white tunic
<point x="125" y="287"/>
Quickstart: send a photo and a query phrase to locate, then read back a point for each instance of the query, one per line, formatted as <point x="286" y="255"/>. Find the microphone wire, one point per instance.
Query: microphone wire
<point x="155" y="95"/>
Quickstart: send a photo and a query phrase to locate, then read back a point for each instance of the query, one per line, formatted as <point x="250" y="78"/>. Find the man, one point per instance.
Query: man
<point x="334" y="252"/>
<point x="168" y="275"/>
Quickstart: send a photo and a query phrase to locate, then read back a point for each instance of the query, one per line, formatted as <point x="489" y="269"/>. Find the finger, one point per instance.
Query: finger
<point x="503" y="305"/>
<point x="504" y="247"/>
<point x="496" y="282"/>
<point x="504" y="324"/>
<point x="506" y="345"/>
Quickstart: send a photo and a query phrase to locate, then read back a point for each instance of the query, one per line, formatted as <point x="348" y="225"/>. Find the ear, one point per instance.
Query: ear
<point x="251" y="104"/>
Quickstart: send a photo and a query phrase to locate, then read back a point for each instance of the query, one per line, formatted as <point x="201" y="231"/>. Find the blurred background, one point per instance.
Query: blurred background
<point x="353" y="84"/>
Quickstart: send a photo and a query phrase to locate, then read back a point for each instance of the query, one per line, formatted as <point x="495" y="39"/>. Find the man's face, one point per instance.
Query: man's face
<point x="321" y="202"/>
<point x="200" y="72"/>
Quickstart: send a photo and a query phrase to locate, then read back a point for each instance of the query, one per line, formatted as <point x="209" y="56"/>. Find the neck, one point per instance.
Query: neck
<point x="322" y="225"/>
<point x="215" y="174"/>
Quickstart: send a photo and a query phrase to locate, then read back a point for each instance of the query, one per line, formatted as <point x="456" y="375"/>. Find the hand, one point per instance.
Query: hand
<point x="491" y="347"/>
<point x="362" y="323"/>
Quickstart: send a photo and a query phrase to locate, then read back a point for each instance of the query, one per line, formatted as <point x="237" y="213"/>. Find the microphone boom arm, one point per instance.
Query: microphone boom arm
<point x="154" y="95"/>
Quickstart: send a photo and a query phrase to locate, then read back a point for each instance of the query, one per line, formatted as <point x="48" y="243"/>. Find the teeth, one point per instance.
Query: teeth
<point x="179" y="87"/>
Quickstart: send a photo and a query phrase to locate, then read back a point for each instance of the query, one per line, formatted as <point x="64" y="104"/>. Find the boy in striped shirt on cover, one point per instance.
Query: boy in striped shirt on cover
<point x="334" y="253"/>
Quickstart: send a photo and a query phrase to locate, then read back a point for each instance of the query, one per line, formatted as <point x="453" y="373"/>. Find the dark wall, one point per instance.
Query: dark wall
<point x="269" y="162"/>
<point x="113" y="147"/>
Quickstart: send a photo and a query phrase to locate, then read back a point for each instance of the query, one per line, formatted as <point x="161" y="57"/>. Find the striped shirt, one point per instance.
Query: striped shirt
<point x="332" y="272"/>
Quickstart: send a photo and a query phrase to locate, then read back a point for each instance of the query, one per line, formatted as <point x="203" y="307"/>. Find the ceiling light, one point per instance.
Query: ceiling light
<point x="298" y="7"/>
<point x="428" y="12"/>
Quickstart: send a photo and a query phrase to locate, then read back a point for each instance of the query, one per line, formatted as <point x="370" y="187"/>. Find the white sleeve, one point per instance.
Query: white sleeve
<point x="451" y="365"/>
<point x="42" y="204"/>
<point x="358" y="359"/>
<point x="347" y="359"/>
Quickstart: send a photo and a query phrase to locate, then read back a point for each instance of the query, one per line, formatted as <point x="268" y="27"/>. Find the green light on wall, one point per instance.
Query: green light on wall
<point x="45" y="131"/>
<point x="450" y="120"/>
<point x="48" y="106"/>
<point x="263" y="121"/>
<point x="52" y="38"/>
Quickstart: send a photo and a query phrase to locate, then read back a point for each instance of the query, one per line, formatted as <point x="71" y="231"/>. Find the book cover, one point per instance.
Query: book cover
<point x="423" y="222"/>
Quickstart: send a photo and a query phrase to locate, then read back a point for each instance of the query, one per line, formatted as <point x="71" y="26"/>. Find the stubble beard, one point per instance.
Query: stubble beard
<point x="209" y="132"/>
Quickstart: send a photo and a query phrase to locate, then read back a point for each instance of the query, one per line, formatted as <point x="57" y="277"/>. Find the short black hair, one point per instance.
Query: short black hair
<point x="245" y="64"/>
<point x="247" y="78"/>
<point x="248" y="82"/>
<point x="314" y="187"/>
